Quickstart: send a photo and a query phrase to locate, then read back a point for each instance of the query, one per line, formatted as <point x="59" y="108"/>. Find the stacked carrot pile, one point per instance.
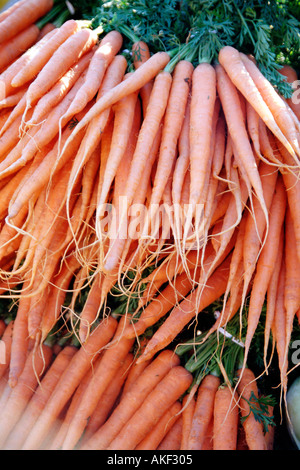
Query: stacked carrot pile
<point x="209" y="154"/>
<point x="93" y="398"/>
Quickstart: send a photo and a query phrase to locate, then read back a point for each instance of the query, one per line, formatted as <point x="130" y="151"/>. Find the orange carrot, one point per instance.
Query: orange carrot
<point x="59" y="90"/>
<point x="39" y="399"/>
<point x="203" y="412"/>
<point x="233" y="64"/>
<point x="23" y="17"/>
<point x="292" y="270"/>
<point x="274" y="102"/>
<point x="203" y="91"/>
<point x="109" y="399"/>
<point x="172" y="440"/>
<point x="36" y="364"/>
<point x="253" y="429"/>
<point x="38" y="61"/>
<point x="188" y="409"/>
<point x="70" y="380"/>
<point x="156" y="435"/>
<point x="45" y="30"/>
<point x="102" y="377"/>
<point x="173" y="120"/>
<point x="109" y="46"/>
<point x="11" y="49"/>
<point x="90" y="309"/>
<point x="79" y="43"/>
<point x="272" y="296"/>
<point x="2" y="327"/>
<point x="226" y="420"/>
<point x="265" y="263"/>
<point x="165" y="394"/>
<point x="236" y="127"/>
<point x="133" y="399"/>
<point x="141" y="76"/>
<point x="6" y="348"/>
<point x="140" y="54"/>
<point x="187" y="310"/>
<point x="148" y="131"/>
<point x="291" y="76"/>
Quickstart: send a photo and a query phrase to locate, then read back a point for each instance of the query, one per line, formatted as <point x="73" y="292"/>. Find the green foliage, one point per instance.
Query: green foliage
<point x="259" y="407"/>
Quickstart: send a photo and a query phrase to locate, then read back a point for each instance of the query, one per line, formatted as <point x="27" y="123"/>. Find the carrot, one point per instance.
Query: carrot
<point x="59" y="90"/>
<point x="19" y="344"/>
<point x="203" y="91"/>
<point x="45" y="30"/>
<point x="274" y="102"/>
<point x="109" y="46"/>
<point x="70" y="380"/>
<point x="173" y="120"/>
<point x="272" y="296"/>
<point x="133" y="400"/>
<point x="172" y="439"/>
<point x="79" y="43"/>
<point x="292" y="270"/>
<point x="60" y="284"/>
<point x="7" y="76"/>
<point x="253" y="430"/>
<point x="226" y="420"/>
<point x="5" y="13"/>
<point x="166" y="393"/>
<point x="156" y="435"/>
<point x="57" y="440"/>
<point x="140" y="77"/>
<point x="160" y="305"/>
<point x="13" y="100"/>
<point x="90" y="309"/>
<point x="236" y="127"/>
<point x="39" y="399"/>
<point x="265" y="263"/>
<point x="124" y="112"/>
<point x="233" y="64"/>
<point x="6" y="342"/>
<point x="11" y="49"/>
<point x="92" y="137"/>
<point x="39" y="60"/>
<point x="21" y="18"/>
<point x="187" y="310"/>
<point x="203" y="412"/>
<point x="108" y="400"/>
<point x="140" y="54"/>
<point x="112" y="358"/>
<point x="2" y="327"/>
<point x="188" y="409"/>
<point x="36" y="363"/>
<point x="148" y="131"/>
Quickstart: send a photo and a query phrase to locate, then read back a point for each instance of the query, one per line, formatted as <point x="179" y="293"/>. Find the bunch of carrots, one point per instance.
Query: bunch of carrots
<point x="214" y="145"/>
<point x="99" y="397"/>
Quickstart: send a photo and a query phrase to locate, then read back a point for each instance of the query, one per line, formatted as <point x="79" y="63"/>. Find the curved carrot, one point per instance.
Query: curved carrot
<point x="70" y="380"/>
<point x="39" y="60"/>
<point x="109" y="46"/>
<point x="203" y="412"/>
<point x="274" y="102"/>
<point x="166" y="393"/>
<point x="232" y="62"/>
<point x="114" y="355"/>
<point x="6" y="347"/>
<point x="133" y="399"/>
